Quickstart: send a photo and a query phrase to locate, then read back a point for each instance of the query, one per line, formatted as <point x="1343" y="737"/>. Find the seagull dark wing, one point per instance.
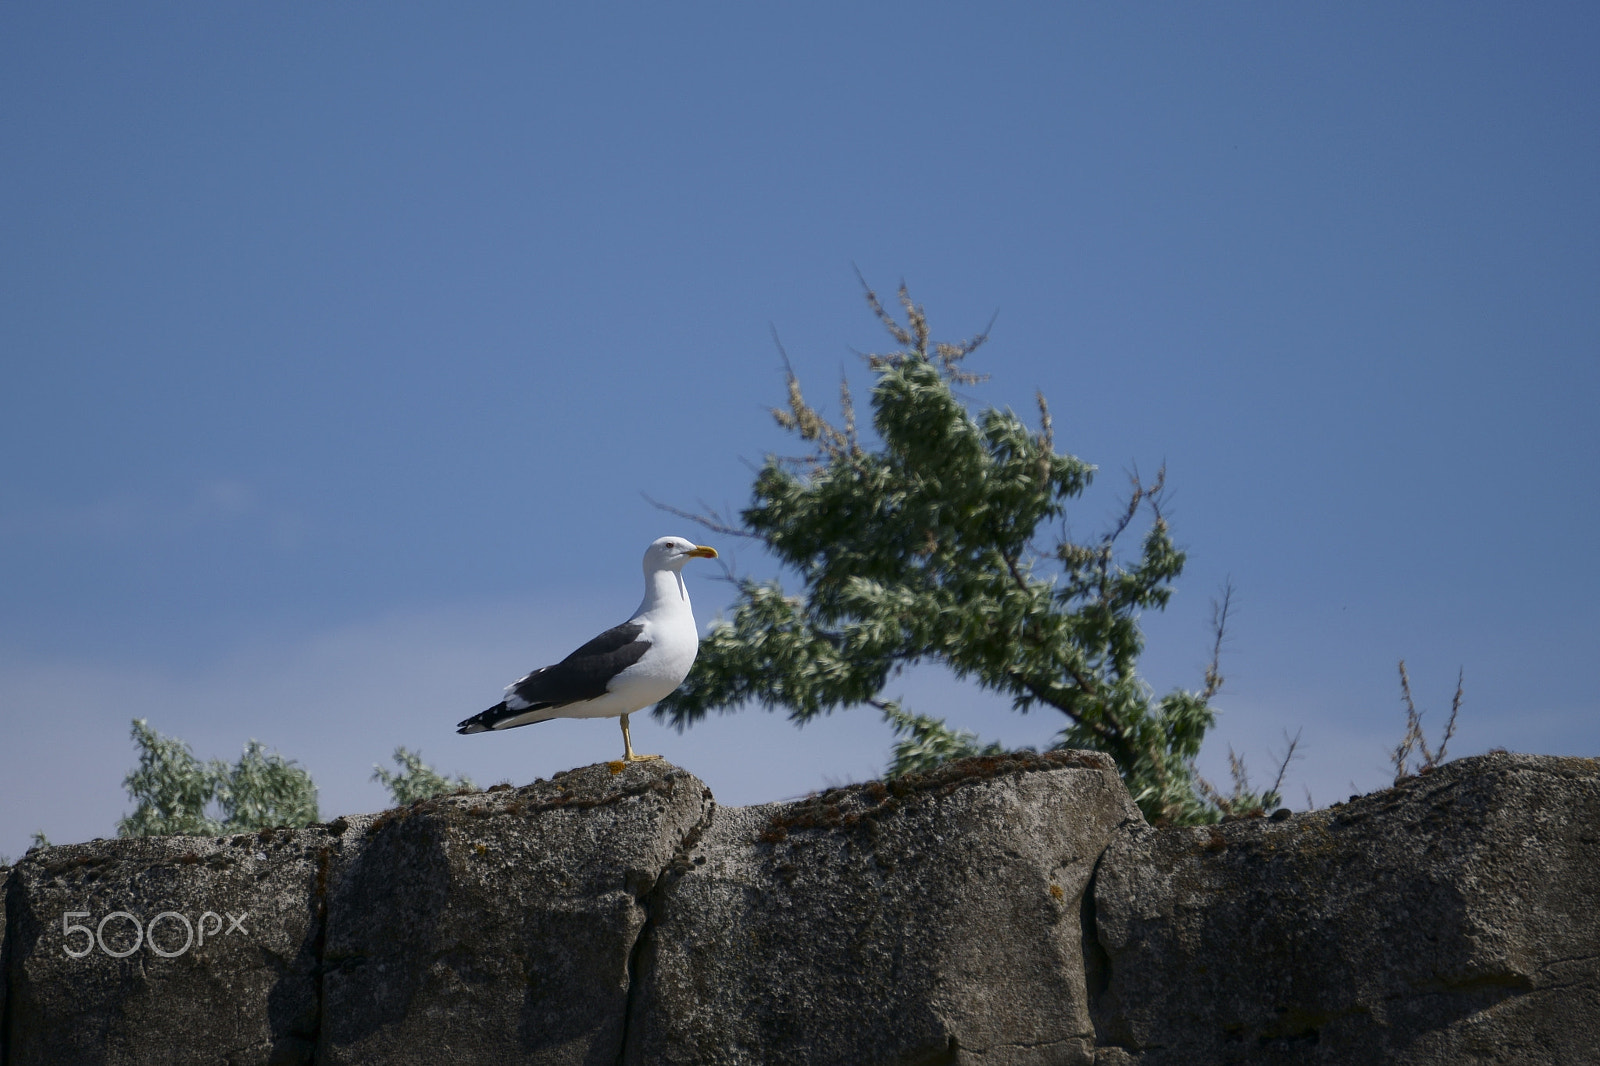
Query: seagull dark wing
<point x="585" y="673"/>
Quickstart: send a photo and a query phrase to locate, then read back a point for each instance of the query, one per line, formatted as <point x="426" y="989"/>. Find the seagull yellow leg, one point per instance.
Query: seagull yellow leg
<point x="627" y="746"/>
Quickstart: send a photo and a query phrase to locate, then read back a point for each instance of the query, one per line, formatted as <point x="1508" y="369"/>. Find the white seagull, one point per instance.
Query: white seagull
<point x="624" y="669"/>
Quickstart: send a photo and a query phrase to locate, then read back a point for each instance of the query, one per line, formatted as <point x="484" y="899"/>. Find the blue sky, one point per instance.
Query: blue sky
<point x="339" y="345"/>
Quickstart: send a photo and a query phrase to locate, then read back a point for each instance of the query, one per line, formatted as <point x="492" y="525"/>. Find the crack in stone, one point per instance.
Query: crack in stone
<point x="676" y="865"/>
<point x="319" y="944"/>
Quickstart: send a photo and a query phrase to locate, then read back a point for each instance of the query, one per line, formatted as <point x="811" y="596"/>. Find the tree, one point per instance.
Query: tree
<point x="936" y="544"/>
<point x="176" y="793"/>
<point x="265" y="790"/>
<point x="415" y="779"/>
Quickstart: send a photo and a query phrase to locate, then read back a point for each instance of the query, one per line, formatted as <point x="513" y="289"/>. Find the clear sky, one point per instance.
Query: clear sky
<point x="340" y="342"/>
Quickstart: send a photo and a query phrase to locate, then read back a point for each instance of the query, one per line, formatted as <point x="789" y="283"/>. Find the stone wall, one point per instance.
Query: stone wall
<point x="1452" y="919"/>
<point x="1011" y="910"/>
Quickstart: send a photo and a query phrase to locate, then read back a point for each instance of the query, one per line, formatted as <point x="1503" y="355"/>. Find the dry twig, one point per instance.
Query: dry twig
<point x="709" y="519"/>
<point x="1219" y="628"/>
<point x="1415" y="741"/>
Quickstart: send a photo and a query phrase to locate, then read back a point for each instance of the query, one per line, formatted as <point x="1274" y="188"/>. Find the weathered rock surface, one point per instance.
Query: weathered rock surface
<point x="500" y="927"/>
<point x="167" y="950"/>
<point x="615" y="915"/>
<point x="5" y="956"/>
<point x="932" y="920"/>
<point x="1453" y="919"/>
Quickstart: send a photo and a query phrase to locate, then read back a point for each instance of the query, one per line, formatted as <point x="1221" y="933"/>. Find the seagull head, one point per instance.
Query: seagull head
<point x="671" y="553"/>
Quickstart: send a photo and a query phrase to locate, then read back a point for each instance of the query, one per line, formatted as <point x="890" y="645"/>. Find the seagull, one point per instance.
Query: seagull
<point x="624" y="669"/>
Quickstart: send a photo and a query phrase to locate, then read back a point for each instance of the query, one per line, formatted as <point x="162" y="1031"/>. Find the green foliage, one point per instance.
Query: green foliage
<point x="176" y="793"/>
<point x="929" y="742"/>
<point x="265" y="790"/>
<point x="171" y="788"/>
<point x="415" y="779"/>
<point x="937" y="545"/>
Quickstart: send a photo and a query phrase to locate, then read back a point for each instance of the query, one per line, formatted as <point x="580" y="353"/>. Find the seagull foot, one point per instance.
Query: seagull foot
<point x="627" y="746"/>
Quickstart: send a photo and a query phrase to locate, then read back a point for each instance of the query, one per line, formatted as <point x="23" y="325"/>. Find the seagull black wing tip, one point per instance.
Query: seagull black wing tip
<point x="483" y="721"/>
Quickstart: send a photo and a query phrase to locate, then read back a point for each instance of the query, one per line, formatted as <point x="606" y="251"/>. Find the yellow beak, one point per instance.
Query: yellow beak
<point x="702" y="552"/>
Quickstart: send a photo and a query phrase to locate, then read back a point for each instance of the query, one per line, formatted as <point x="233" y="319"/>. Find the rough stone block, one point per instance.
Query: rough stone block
<point x="934" y="919"/>
<point x="500" y="927"/>
<point x="5" y="892"/>
<point x="168" y="950"/>
<point x="1454" y="918"/>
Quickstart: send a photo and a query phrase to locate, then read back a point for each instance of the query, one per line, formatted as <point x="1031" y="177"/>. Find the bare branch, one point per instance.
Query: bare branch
<point x="916" y="319"/>
<point x="1046" y="440"/>
<point x="710" y="520"/>
<point x="950" y="356"/>
<point x="1141" y="493"/>
<point x="895" y="329"/>
<point x="1283" y="767"/>
<point x="1455" y="708"/>
<point x="1157" y="492"/>
<point x="1413" y="736"/>
<point x="808" y="422"/>
<point x="1107" y="550"/>
<point x="953" y="353"/>
<point x="1239" y="773"/>
<point x="786" y="419"/>
<point x="1219" y="627"/>
<point x="847" y="410"/>
<point x="1415" y="740"/>
<point x="728" y="573"/>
